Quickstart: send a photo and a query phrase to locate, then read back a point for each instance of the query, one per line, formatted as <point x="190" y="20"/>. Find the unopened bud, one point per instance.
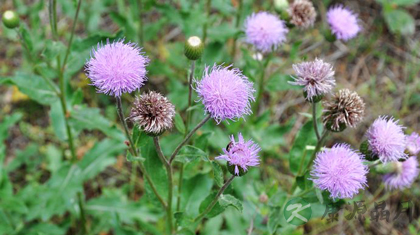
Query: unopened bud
<point x="194" y="48"/>
<point x="10" y="19"/>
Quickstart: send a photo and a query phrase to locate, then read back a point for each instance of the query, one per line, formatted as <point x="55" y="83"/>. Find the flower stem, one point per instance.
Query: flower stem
<point x="79" y="3"/>
<point x="170" y="182"/>
<point x="314" y="121"/>
<point x="238" y="18"/>
<point x="82" y="213"/>
<point x="141" y="34"/>
<point x="62" y="94"/>
<point x="317" y="148"/>
<point x="188" y="137"/>
<point x="211" y="205"/>
<point x="133" y="151"/>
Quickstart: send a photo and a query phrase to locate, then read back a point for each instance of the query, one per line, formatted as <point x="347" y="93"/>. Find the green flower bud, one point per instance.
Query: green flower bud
<point x="194" y="48"/>
<point x="281" y="5"/>
<point x="390" y="167"/>
<point x="315" y="99"/>
<point x="329" y="126"/>
<point x="364" y="149"/>
<point x="10" y="19"/>
<point x="231" y="169"/>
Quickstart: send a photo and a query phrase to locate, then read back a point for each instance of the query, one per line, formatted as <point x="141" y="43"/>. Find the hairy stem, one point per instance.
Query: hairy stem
<point x="260" y="91"/>
<point x="187" y="123"/>
<point x="211" y="205"/>
<point x="188" y="137"/>
<point x="170" y="182"/>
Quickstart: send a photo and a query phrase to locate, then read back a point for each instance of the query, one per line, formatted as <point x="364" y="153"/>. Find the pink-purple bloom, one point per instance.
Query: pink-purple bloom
<point x="413" y="144"/>
<point x="117" y="68"/>
<point x="387" y="139"/>
<point x="343" y="22"/>
<point x="316" y="77"/>
<point x="265" y="31"/>
<point x="241" y="154"/>
<point x="405" y="173"/>
<point x="225" y="92"/>
<point x="340" y="170"/>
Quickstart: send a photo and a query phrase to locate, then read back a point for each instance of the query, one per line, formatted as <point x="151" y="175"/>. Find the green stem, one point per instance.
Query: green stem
<point x="237" y="21"/>
<point x="82" y="213"/>
<point x="79" y="3"/>
<point x="211" y="205"/>
<point x="170" y="182"/>
<point x="188" y="137"/>
<point x="53" y="18"/>
<point x="133" y="151"/>
<point x="187" y="123"/>
<point x="205" y="26"/>
<point x="314" y="121"/>
<point x="141" y="34"/>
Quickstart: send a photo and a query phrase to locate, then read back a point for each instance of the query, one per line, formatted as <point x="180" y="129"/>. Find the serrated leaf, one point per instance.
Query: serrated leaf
<point x="229" y="200"/>
<point x="217" y="174"/>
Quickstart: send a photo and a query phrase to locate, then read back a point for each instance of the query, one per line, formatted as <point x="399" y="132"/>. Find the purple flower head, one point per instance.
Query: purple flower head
<point x="265" y="31"/>
<point x="413" y="144"/>
<point x="241" y="154"/>
<point x="316" y="77"/>
<point x="225" y="92"/>
<point x="343" y="22"/>
<point x="339" y="170"/>
<point x="116" y="68"/>
<point x="386" y="139"/>
<point x="405" y="174"/>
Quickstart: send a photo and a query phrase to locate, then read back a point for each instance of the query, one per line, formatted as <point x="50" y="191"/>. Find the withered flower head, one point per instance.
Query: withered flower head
<point x="302" y="13"/>
<point x="345" y="109"/>
<point x="153" y="113"/>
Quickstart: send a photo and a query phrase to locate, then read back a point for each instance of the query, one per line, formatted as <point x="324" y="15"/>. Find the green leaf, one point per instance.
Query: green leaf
<point x="217" y="173"/>
<point x="190" y="153"/>
<point x="229" y="200"/>
<point x="217" y="208"/>
<point x="57" y="121"/>
<point x="179" y="123"/>
<point x="399" y="2"/>
<point x="154" y="167"/>
<point x="131" y="158"/>
<point x="35" y="87"/>
<point x="91" y="118"/>
<point x="400" y="21"/>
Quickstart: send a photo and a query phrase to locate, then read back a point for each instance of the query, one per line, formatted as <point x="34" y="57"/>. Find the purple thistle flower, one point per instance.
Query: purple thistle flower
<point x="225" y="92"/>
<point x="116" y="68"/>
<point x="386" y="139"/>
<point x="241" y="154"/>
<point x="405" y="174"/>
<point x="343" y="22"/>
<point x="316" y="77"/>
<point x="413" y="144"/>
<point x="265" y="31"/>
<point x="339" y="170"/>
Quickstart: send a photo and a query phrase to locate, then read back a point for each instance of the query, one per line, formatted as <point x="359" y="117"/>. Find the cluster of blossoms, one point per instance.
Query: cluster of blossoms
<point x="118" y="67"/>
<point x="266" y="31"/>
